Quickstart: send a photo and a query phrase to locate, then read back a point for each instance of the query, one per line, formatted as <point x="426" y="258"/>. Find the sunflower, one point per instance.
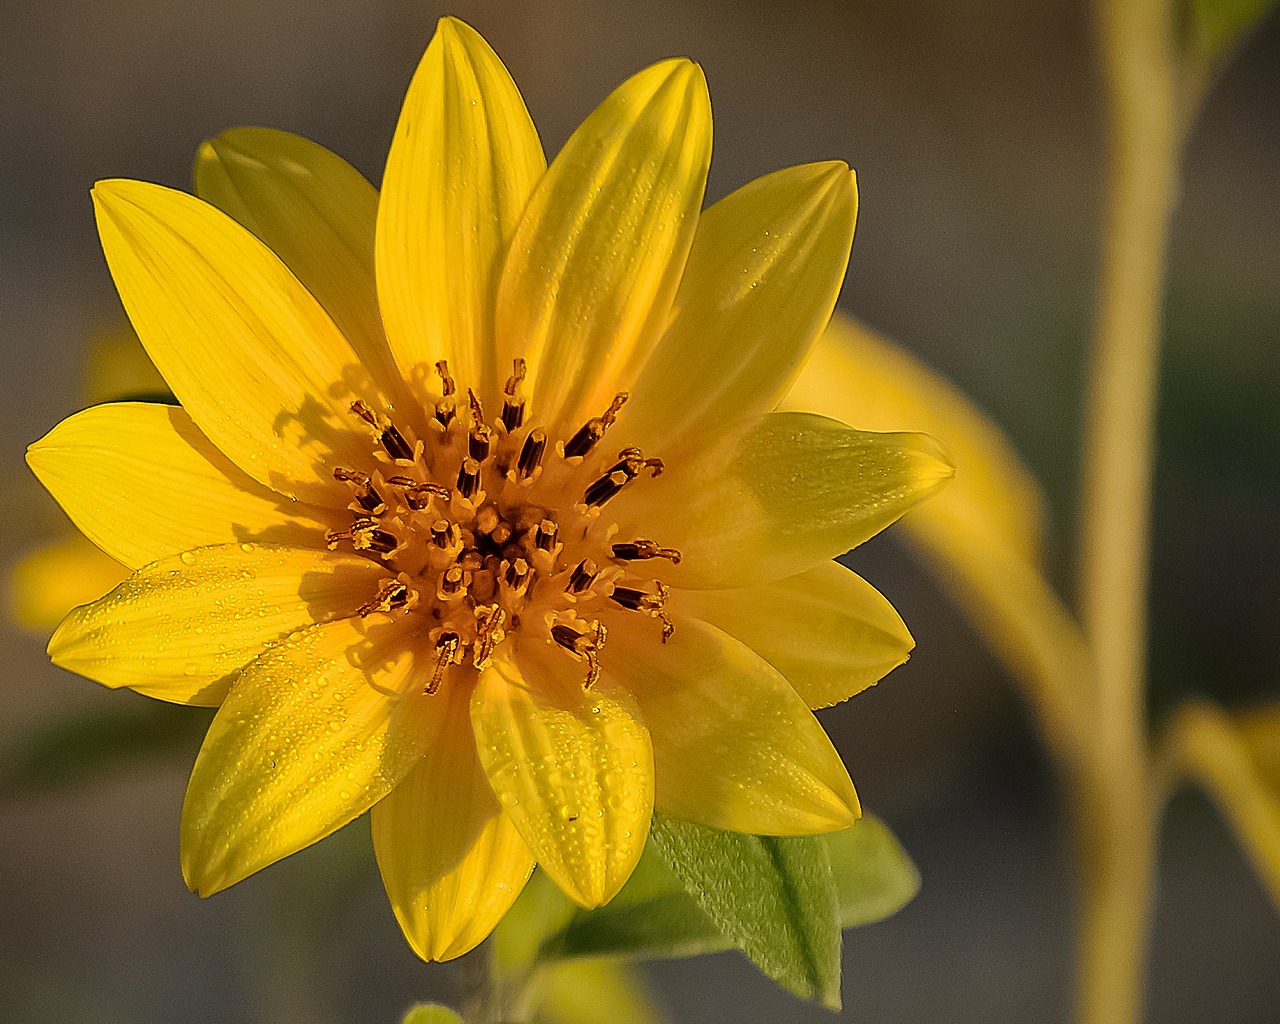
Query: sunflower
<point x="474" y="513"/>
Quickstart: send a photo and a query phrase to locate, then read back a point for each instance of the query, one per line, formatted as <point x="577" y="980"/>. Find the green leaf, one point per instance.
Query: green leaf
<point x="431" y="1013"/>
<point x="654" y="915"/>
<point x="590" y="991"/>
<point x="1215" y="27"/>
<point x="874" y="877"/>
<point x="80" y="746"/>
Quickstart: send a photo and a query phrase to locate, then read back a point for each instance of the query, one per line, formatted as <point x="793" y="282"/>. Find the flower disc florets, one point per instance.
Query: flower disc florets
<point x="492" y="527"/>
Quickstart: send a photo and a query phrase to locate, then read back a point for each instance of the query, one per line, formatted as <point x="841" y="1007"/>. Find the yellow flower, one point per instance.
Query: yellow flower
<point x="474" y="512"/>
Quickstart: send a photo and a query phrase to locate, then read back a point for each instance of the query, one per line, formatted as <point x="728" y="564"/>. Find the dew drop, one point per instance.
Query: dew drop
<point x="188" y="558"/>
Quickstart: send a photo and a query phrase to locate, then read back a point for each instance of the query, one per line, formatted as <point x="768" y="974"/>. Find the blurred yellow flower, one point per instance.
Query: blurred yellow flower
<point x="474" y="512"/>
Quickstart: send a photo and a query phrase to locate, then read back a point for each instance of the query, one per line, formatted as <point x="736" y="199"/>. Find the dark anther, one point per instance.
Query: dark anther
<point x="452" y="582"/>
<point x="468" y="477"/>
<point x="513" y="403"/>
<point x="446" y="655"/>
<point x="639" y="549"/>
<point x="366" y="536"/>
<point x="445" y="534"/>
<point x="566" y="636"/>
<point x="590" y="433"/>
<point x="630" y="598"/>
<point x="479" y="442"/>
<point x="584" y="646"/>
<point x="605" y="488"/>
<point x="544" y="535"/>
<point x="418" y="495"/>
<point x="366" y="496"/>
<point x="490" y="630"/>
<point x="392" y="440"/>
<point x="583" y="575"/>
<point x="531" y="454"/>
<point x="516" y="573"/>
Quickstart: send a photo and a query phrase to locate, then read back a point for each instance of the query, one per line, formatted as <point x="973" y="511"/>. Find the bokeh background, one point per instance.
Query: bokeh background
<point x="976" y="130"/>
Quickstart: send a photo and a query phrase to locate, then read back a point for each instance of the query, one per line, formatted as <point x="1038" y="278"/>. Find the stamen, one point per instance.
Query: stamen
<point x="453" y="583"/>
<point x="513" y="402"/>
<point x="652" y="604"/>
<point x="590" y="433"/>
<point x="448" y="387"/>
<point x="335" y="537"/>
<point x="583" y="575"/>
<point x="544" y="535"/>
<point x="418" y="495"/>
<point x="641" y="549"/>
<point x="391" y="438"/>
<point x="392" y="595"/>
<point x="366" y="535"/>
<point x="480" y="440"/>
<point x="605" y="488"/>
<point x="445" y="534"/>
<point x="490" y="631"/>
<point x="516" y="575"/>
<point x="446" y="655"/>
<point x="531" y="454"/>
<point x="468" y="477"/>
<point x="584" y="646"/>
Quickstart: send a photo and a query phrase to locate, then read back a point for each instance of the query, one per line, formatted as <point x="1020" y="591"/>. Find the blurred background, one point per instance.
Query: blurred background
<point x="976" y="131"/>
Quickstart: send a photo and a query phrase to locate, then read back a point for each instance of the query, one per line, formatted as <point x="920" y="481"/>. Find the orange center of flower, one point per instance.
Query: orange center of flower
<point x="491" y="527"/>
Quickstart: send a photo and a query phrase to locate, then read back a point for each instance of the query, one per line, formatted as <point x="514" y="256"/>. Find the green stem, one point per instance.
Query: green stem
<point x="1117" y="825"/>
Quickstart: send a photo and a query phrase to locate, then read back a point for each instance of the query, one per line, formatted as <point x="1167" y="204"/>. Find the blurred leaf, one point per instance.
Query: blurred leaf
<point x="592" y="991"/>
<point x="1215" y="27"/>
<point x="1237" y="762"/>
<point x="431" y="1013"/>
<point x="91" y="743"/>
<point x="50" y="581"/>
<point x="654" y="915"/>
<point x="772" y="897"/>
<point x="981" y="535"/>
<point x="533" y="928"/>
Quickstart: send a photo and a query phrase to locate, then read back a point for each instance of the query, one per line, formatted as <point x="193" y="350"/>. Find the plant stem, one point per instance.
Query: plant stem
<point x="1117" y="823"/>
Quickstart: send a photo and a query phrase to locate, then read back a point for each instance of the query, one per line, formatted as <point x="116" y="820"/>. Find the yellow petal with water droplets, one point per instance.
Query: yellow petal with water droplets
<point x="313" y="210"/>
<point x="828" y="631"/>
<point x="52" y="580"/>
<point x="780" y="495"/>
<point x="858" y="377"/>
<point x="587" y="287"/>
<point x="451" y="861"/>
<point x="573" y="769"/>
<point x="248" y="351"/>
<point x="142" y="482"/>
<point x="759" y="287"/>
<point x="312" y="734"/>
<point x="464" y="160"/>
<point x="180" y="628"/>
<point x="734" y="745"/>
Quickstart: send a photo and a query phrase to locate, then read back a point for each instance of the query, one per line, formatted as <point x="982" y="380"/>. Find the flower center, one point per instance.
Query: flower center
<point x="487" y="526"/>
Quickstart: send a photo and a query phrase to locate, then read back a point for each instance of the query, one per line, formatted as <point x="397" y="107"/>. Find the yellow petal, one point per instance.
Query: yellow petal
<point x="313" y="733"/>
<point x="462" y="165"/>
<point x="180" y="628"/>
<point x="141" y="481"/>
<point x="828" y="631"/>
<point x="451" y="861"/>
<point x="52" y="580"/>
<point x="856" y="376"/>
<point x="734" y="746"/>
<point x="801" y="489"/>
<point x="250" y="354"/>
<point x="594" y="265"/>
<point x="313" y="210"/>
<point x="759" y="287"/>
<point x="572" y="767"/>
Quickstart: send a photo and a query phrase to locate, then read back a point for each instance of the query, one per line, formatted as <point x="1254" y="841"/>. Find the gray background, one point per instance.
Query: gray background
<point x="975" y="129"/>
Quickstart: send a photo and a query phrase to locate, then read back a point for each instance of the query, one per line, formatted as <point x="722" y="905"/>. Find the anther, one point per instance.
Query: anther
<point x="479" y="442"/>
<point x="605" y="488"/>
<point x="513" y="402"/>
<point x="445" y="535"/>
<point x="418" y="495"/>
<point x="531" y="454"/>
<point x="391" y="438"/>
<point x="585" y="646"/>
<point x="640" y="549"/>
<point x="516" y="574"/>
<point x="468" y="477"/>
<point x="544" y="535"/>
<point x="590" y="433"/>
<point x="446" y="655"/>
<point x="366" y="496"/>
<point x="391" y="595"/>
<point x="335" y="537"/>
<point x="367" y="536"/>
<point x="583" y="575"/>
<point x="447" y="386"/>
<point x="490" y="631"/>
<point x="651" y="604"/>
<point x="453" y="583"/>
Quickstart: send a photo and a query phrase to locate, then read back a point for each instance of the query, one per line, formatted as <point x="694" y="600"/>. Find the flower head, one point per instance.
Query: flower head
<point x="474" y="512"/>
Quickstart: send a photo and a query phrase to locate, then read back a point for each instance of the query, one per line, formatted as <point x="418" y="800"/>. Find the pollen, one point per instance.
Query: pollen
<point x="495" y="528"/>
